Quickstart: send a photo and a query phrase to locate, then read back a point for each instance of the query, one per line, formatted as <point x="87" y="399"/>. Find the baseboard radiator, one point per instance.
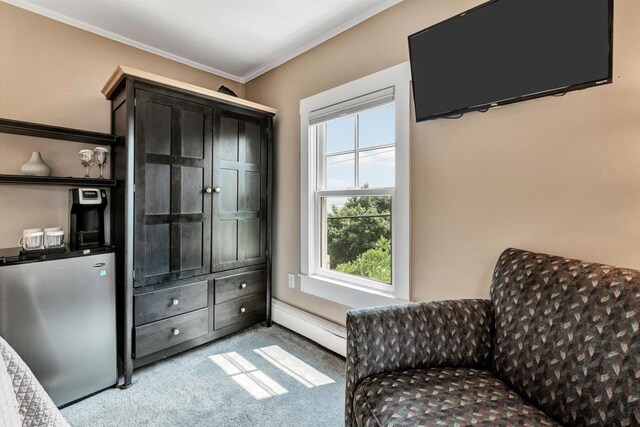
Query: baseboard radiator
<point x="325" y="333"/>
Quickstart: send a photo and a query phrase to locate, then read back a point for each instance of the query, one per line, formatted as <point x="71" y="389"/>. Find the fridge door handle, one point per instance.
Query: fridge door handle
<point x="99" y="264"/>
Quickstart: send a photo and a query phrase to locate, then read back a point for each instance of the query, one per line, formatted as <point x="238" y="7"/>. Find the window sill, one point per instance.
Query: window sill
<point x="346" y="293"/>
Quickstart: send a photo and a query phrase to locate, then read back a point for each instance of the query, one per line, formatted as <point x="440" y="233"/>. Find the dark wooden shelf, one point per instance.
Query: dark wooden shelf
<point x="55" y="132"/>
<point x="57" y="180"/>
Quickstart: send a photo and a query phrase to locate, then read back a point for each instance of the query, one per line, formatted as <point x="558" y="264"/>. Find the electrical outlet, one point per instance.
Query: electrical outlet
<point x="292" y="280"/>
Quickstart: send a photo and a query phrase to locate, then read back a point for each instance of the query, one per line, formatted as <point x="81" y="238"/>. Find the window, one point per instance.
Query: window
<point x="355" y="195"/>
<point x="355" y="176"/>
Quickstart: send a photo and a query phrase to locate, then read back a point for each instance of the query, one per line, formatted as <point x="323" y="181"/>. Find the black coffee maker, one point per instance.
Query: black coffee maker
<point x="86" y="218"/>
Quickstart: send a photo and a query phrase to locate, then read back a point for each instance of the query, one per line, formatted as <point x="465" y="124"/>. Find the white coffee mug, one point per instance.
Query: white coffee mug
<point x="28" y="231"/>
<point x="54" y="239"/>
<point x="31" y="240"/>
<point x="53" y="231"/>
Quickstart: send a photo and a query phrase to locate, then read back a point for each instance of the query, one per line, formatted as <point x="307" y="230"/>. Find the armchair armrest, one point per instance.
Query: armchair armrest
<point x="421" y="335"/>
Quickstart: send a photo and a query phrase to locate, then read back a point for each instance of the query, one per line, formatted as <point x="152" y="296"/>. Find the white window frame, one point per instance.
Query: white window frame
<point x="346" y="289"/>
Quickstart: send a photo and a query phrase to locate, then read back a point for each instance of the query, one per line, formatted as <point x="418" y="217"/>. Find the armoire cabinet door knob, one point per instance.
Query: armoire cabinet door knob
<point x="217" y="189"/>
<point x="208" y="190"/>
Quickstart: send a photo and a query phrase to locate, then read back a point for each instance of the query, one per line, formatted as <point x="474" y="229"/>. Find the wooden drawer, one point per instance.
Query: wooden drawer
<point x="240" y="285"/>
<point x="166" y="333"/>
<point x="167" y="303"/>
<point x="245" y="309"/>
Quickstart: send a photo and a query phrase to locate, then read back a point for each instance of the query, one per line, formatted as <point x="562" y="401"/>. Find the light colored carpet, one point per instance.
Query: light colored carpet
<point x="288" y="381"/>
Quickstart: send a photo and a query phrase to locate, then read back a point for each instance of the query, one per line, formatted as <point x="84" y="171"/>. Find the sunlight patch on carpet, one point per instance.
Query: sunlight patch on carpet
<point x="302" y="372"/>
<point x="246" y="375"/>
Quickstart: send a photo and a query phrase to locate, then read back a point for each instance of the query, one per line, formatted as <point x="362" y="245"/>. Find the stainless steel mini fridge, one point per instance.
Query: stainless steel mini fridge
<point x="60" y="317"/>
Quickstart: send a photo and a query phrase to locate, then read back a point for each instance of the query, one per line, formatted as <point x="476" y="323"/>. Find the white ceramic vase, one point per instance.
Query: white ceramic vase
<point x="36" y="166"/>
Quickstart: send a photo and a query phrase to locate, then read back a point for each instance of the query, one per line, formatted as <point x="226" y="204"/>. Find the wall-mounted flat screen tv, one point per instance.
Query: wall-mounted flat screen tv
<point x="505" y="51"/>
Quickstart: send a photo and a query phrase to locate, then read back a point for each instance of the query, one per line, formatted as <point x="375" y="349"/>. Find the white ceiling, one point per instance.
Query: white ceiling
<point x="237" y="39"/>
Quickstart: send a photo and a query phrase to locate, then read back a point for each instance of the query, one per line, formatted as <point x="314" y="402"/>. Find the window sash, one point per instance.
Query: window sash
<point x="319" y="131"/>
<point x="320" y="227"/>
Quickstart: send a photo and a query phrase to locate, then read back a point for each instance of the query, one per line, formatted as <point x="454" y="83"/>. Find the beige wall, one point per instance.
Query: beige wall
<point x="52" y="73"/>
<point x="557" y="174"/>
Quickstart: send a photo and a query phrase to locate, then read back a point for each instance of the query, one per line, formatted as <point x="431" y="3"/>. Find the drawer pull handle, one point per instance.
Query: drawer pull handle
<point x="242" y="309"/>
<point x="175" y="302"/>
<point x="176" y="331"/>
<point x="244" y="285"/>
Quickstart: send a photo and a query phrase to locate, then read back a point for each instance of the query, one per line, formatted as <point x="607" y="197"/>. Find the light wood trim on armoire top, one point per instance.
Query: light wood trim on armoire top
<point x="123" y="71"/>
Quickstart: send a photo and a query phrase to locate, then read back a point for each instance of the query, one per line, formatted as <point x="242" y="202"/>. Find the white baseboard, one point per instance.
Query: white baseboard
<point x="325" y="333"/>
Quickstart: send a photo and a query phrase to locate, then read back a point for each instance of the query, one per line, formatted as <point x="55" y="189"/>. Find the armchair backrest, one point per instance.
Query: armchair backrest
<point x="567" y="336"/>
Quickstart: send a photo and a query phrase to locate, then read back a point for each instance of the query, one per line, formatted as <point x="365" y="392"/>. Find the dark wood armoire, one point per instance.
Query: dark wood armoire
<point x="191" y="214"/>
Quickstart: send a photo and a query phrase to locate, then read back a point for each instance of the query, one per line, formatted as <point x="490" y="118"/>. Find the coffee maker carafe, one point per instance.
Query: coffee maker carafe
<point x="86" y="217"/>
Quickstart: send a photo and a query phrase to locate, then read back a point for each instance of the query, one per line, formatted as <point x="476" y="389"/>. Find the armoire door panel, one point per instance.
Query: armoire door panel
<point x="239" y="227"/>
<point x="191" y="237"/>
<point x="228" y="141"/>
<point x="228" y="195"/>
<point x="251" y="238"/>
<point x="158" y="181"/>
<point x="193" y="130"/>
<point x="191" y="194"/>
<point x="227" y="240"/>
<point x="158" y="249"/>
<point x="253" y="149"/>
<point x="156" y="121"/>
<point x="187" y="247"/>
<point x="253" y="187"/>
<point x="173" y="166"/>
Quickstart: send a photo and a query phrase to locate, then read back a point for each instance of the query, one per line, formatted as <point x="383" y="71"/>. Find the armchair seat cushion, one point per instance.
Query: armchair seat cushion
<point x="442" y="396"/>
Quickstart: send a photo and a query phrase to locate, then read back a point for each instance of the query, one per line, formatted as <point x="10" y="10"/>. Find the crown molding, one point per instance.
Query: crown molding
<point x="23" y="4"/>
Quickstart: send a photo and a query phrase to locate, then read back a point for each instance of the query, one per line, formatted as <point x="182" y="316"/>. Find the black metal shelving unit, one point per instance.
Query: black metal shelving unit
<point x="57" y="180"/>
<point x="55" y="132"/>
<point x="38" y="130"/>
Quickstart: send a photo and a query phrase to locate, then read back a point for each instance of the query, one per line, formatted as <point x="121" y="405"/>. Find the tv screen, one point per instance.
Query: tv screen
<point x="505" y="51"/>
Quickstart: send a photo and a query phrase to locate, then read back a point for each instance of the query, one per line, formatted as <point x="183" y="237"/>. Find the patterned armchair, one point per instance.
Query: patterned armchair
<point x="557" y="343"/>
<point x="23" y="401"/>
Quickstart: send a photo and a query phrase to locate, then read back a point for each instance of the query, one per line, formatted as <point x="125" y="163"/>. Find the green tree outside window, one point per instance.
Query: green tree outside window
<point x="359" y="237"/>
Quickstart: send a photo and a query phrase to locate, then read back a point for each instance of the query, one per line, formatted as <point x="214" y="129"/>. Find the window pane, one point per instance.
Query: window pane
<point x="356" y="236"/>
<point x="377" y="126"/>
<point x="377" y="168"/>
<point x="341" y="134"/>
<point x="340" y="172"/>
